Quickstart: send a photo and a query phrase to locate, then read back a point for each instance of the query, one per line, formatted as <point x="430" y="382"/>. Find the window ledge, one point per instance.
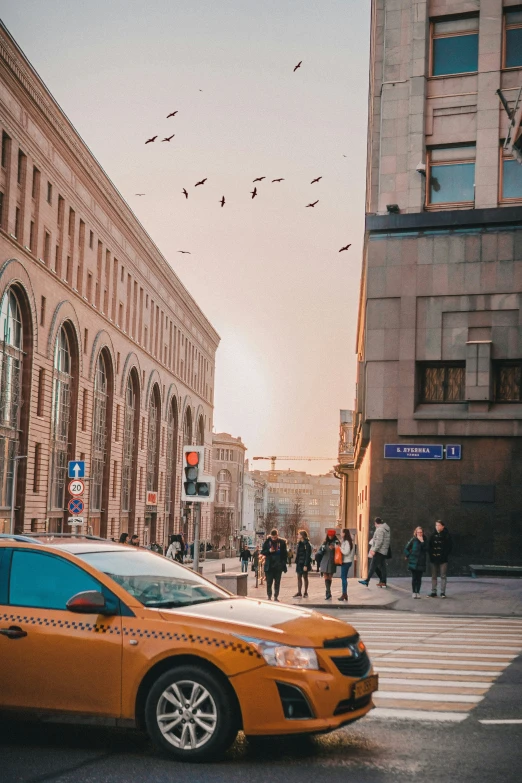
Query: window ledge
<point x="452" y="75"/>
<point x="455" y="411"/>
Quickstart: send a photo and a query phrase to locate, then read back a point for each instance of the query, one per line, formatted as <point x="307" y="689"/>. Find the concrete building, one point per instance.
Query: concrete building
<point x="228" y="466"/>
<point x="347" y="474"/>
<point x="439" y="340"/>
<point x="255" y="501"/>
<point x="317" y="497"/>
<point x="104" y="355"/>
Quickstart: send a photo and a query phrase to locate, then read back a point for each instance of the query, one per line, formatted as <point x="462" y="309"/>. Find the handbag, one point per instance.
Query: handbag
<point x="389" y="553"/>
<point x="338" y="556"/>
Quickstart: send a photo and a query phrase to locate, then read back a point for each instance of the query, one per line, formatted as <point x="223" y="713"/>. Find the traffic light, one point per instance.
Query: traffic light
<point x="196" y="486"/>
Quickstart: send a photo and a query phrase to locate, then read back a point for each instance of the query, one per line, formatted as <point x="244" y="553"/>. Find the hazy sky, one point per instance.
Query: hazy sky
<point x="266" y="272"/>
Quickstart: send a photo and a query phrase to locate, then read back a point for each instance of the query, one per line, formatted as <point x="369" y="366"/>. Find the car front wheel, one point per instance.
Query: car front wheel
<point x="189" y="714"/>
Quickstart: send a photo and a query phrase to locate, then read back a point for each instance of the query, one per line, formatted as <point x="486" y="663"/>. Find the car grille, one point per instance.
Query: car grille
<point x="349" y="705"/>
<point x="353" y="665"/>
<point x="342" y="643"/>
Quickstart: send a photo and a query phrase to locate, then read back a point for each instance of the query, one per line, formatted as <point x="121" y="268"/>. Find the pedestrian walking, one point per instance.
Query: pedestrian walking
<point x="290" y="556"/>
<point x="328" y="566"/>
<point x="123" y="538"/>
<point x="415" y="552"/>
<point x="174" y="548"/>
<point x="244" y="557"/>
<point x="347" y="551"/>
<point x="303" y="563"/>
<point x="380" y="551"/>
<point x="440" y="545"/>
<point x="255" y="559"/>
<point x="276" y="556"/>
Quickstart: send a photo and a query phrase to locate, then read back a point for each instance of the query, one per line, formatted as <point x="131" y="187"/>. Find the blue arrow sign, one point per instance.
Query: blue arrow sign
<point x="412" y="451"/>
<point x="75" y="506"/>
<point x="77" y="468"/>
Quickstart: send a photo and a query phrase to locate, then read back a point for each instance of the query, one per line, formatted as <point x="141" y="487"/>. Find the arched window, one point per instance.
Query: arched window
<point x="187" y="428"/>
<point x="224" y="477"/>
<point x="128" y="469"/>
<point x="201" y="432"/>
<point x="170" y="478"/>
<point x="99" y="433"/>
<point x="60" y="416"/>
<point x="153" y="441"/>
<point x="11" y="355"/>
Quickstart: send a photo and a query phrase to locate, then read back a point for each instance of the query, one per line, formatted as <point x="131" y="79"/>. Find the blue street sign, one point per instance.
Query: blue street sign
<point x="76" y="506"/>
<point x="453" y="452"/>
<point x="77" y="468"/>
<point x="412" y="451"/>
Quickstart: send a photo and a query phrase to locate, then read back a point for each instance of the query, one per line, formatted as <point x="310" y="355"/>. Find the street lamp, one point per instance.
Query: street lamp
<point x="13" y="491"/>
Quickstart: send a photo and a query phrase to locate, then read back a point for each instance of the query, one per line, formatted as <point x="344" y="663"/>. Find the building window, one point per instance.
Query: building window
<point x="21" y="167"/>
<point x="99" y="433"/>
<point x="37" y="464"/>
<point x="41" y="392"/>
<point x="1" y="210"/>
<point x="170" y="478"/>
<point x="17" y="224"/>
<point x="454" y="47"/>
<point x="442" y="382"/>
<point x="49" y="193"/>
<point x="60" y="418"/>
<point x="513" y="39"/>
<point x="451" y="176"/>
<point x="11" y="344"/>
<point x="47" y="248"/>
<point x="224" y="477"/>
<point x="91" y="239"/>
<point x="508" y="381"/>
<point x="187" y="428"/>
<point x="153" y="442"/>
<point x="511" y="179"/>
<point x="5" y="149"/>
<point x="36" y="182"/>
<point x="31" y="237"/>
<point x="129" y="440"/>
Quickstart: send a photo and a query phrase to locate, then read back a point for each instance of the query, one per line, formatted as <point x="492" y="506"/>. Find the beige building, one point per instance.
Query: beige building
<point x="104" y="355"/>
<point x="228" y="466"/>
<point x="438" y="420"/>
<point x="346" y="472"/>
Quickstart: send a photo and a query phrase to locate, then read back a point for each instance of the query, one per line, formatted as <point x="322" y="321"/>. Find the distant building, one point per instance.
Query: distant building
<point x="255" y="501"/>
<point x="299" y="500"/>
<point x="347" y="473"/>
<point x="228" y="464"/>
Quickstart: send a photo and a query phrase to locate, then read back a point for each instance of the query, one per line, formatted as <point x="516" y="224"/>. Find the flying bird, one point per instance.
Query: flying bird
<point x="172" y="114"/>
<point x="149" y="140"/>
<point x="315" y="180"/>
<point x="201" y="182"/>
<point x="344" y="248"/>
<point x="184" y="251"/>
<point x="254" y="192"/>
<point x="281" y="179"/>
<point x="185" y="193"/>
<point x="169" y="137"/>
<point x="313" y="203"/>
<point x="298" y="65"/>
<point x="139" y="194"/>
<point x="222" y="202"/>
<point x="258" y="179"/>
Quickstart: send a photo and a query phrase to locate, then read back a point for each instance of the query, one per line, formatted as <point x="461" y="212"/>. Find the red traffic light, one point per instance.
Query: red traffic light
<point x="192" y="458"/>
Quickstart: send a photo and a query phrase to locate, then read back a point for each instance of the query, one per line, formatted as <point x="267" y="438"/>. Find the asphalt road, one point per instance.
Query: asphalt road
<point x="370" y="751"/>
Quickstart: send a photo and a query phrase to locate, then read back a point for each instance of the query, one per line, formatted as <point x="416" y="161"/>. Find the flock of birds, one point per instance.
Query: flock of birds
<point x="253" y="192"/>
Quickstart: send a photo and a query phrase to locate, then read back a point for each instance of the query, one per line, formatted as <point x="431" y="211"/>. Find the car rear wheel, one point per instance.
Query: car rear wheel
<point x="189" y="714"/>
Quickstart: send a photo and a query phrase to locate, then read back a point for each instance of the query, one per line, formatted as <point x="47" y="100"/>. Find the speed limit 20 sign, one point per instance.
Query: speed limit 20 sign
<point x="76" y="488"/>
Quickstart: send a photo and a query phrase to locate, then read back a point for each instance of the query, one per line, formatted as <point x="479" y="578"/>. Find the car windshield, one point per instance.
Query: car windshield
<point x="153" y="580"/>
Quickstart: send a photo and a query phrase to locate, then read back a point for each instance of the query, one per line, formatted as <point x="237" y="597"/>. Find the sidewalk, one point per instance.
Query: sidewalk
<point x="466" y="596"/>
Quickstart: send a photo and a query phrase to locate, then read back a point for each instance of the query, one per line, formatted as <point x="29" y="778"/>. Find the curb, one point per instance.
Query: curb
<point x="344" y="605"/>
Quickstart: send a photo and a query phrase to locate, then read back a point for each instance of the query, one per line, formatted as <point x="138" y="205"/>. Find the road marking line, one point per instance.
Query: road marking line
<point x="434" y="683"/>
<point x="466" y="672"/>
<point x="495" y="657"/>
<point x="437" y="661"/>
<point x="464" y="698"/>
<point x="387" y="713"/>
<point x="505" y="722"/>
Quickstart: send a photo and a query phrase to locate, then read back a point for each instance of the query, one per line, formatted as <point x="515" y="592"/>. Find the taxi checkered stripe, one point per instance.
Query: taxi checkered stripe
<point x="94" y="627"/>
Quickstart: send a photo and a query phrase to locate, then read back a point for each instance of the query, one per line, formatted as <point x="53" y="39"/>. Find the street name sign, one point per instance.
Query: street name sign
<point x="413" y="451"/>
<point x="77" y="469"/>
<point x="76" y="488"/>
<point x="75" y="506"/>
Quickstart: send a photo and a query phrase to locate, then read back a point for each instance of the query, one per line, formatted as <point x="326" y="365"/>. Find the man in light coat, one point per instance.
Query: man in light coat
<point x="380" y="548"/>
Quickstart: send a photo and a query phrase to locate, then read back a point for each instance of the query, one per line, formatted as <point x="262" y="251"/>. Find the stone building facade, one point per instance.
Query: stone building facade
<point x="439" y="339"/>
<point x="104" y="356"/>
<point x="228" y="467"/>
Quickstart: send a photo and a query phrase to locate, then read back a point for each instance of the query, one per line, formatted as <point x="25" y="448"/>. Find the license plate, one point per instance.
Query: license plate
<point x="366" y="686"/>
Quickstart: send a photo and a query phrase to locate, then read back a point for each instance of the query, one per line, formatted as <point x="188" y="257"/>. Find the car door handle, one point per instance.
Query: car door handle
<point x="14" y="632"/>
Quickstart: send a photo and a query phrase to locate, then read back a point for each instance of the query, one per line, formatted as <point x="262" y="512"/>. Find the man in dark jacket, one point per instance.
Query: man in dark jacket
<point x="244" y="557"/>
<point x="276" y="557"/>
<point x="439" y="549"/>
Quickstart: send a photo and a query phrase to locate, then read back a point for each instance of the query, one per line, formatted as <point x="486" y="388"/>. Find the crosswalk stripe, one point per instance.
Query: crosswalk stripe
<point x="423" y="696"/>
<point x="460" y="672"/>
<point x="410" y="682"/>
<point x="389" y="713"/>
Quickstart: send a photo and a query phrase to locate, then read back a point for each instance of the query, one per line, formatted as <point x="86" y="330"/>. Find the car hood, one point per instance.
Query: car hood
<point x="261" y="619"/>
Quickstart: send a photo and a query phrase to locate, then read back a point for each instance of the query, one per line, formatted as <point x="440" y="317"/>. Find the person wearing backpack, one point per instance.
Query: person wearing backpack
<point x="415" y="553"/>
<point x="380" y="552"/>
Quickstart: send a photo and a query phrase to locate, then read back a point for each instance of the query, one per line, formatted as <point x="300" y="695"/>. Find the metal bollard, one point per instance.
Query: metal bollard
<point x="223" y="568"/>
<point x="200" y="570"/>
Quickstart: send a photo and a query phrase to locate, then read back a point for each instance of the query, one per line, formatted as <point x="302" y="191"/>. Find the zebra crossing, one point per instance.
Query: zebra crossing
<point x="433" y="667"/>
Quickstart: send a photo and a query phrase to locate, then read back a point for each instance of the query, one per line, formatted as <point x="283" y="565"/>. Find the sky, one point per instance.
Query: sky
<point x="267" y="271"/>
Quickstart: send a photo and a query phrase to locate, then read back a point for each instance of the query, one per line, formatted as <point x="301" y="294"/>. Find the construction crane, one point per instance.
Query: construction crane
<point x="307" y="459"/>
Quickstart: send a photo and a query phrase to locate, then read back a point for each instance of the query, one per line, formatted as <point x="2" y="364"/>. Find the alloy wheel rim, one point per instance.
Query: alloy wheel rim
<point x="186" y="715"/>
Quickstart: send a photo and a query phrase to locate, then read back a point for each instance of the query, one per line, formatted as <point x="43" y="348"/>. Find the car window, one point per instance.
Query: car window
<point x="45" y="581"/>
<point x="155" y="581"/>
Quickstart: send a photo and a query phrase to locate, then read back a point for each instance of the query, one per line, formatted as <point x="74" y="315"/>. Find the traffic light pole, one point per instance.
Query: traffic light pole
<point x="197" y="525"/>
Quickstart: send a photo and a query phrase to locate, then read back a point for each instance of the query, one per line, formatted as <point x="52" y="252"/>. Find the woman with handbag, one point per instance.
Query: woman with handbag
<point x="344" y="553"/>
<point x="328" y="566"/>
<point x="303" y="563"/>
<point x="415" y="553"/>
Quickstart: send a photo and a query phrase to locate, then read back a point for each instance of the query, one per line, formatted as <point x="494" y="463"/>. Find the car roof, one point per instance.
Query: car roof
<point x="75" y="547"/>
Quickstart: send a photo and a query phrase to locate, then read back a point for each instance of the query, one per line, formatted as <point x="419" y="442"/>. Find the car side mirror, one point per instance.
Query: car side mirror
<point x="89" y="602"/>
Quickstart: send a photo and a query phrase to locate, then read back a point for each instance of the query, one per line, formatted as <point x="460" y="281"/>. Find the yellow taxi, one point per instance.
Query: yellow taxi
<point x="88" y="627"/>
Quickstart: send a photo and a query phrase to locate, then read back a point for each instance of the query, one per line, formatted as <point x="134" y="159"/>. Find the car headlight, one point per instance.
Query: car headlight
<point x="283" y="655"/>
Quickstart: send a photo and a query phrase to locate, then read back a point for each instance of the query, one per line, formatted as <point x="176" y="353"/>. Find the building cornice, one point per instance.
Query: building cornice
<point x="445" y="220"/>
<point x="33" y="86"/>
